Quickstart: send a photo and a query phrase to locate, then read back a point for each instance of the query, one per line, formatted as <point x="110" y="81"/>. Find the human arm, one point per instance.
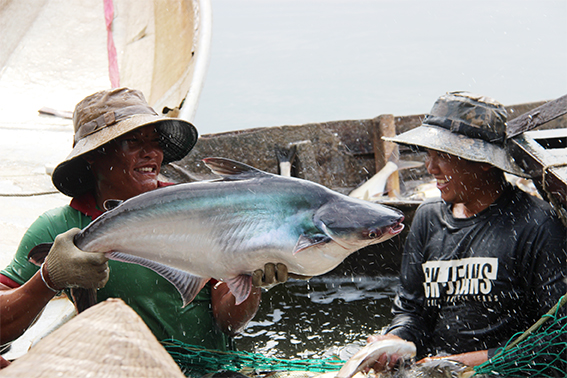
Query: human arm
<point x="19" y="306"/>
<point x="542" y="275"/>
<point x="469" y="358"/>
<point x="389" y="361"/>
<point x="412" y="319"/>
<point x="230" y="317"/>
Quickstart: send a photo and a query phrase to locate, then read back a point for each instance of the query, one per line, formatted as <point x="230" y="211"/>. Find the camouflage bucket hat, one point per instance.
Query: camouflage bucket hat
<point x="106" y="115"/>
<point x="466" y="125"/>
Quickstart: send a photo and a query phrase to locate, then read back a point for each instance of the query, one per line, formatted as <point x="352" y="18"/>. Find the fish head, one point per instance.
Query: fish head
<point x="369" y="354"/>
<point x="355" y="224"/>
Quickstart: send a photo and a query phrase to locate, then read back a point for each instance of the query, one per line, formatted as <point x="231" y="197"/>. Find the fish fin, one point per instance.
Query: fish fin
<point x="188" y="285"/>
<point x="38" y="253"/>
<point x="110" y="204"/>
<point x="305" y="242"/>
<point x="231" y="169"/>
<point x="83" y="298"/>
<point x="240" y="286"/>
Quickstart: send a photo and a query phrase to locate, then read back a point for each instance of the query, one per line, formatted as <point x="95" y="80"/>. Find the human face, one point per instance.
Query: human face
<point x="459" y="180"/>
<point x="128" y="165"/>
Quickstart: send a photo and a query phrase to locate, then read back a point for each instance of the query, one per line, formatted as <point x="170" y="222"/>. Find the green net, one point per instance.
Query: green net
<point x="541" y="351"/>
<point x="196" y="361"/>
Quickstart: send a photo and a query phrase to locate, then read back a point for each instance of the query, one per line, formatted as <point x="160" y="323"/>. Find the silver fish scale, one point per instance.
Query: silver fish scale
<point x="225" y="228"/>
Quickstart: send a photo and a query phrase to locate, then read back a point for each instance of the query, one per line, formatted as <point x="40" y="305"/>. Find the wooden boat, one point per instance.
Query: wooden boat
<point x="342" y="155"/>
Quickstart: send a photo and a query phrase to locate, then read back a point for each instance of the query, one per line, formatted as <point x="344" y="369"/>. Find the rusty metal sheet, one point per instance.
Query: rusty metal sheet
<point x="543" y="154"/>
<point x="537" y="117"/>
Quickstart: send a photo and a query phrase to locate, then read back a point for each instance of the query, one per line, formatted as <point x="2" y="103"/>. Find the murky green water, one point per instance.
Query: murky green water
<point x="323" y="317"/>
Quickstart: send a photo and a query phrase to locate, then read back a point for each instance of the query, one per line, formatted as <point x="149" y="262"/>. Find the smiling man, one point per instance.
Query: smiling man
<point x="120" y="144"/>
<point x="486" y="260"/>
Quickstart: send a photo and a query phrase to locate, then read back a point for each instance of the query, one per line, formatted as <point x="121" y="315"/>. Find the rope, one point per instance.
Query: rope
<point x="550" y="314"/>
<point x="28" y="194"/>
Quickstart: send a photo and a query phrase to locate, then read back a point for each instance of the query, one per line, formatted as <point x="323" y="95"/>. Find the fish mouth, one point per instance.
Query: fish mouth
<point x="389" y="232"/>
<point x="396" y="229"/>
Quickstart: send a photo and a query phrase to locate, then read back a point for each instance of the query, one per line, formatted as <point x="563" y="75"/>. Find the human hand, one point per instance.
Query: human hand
<point x="468" y="358"/>
<point x="384" y="361"/>
<point x="272" y="275"/>
<point x="66" y="266"/>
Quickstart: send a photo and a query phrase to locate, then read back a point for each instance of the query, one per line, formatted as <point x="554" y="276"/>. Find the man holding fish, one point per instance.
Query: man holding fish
<point x="120" y="143"/>
<point x="214" y="241"/>
<point x="483" y="262"/>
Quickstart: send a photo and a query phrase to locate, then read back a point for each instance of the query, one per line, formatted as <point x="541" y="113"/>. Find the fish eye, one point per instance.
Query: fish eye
<point x="372" y="234"/>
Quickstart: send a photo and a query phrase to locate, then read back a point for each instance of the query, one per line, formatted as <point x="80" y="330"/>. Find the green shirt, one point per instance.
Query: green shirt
<point x="156" y="301"/>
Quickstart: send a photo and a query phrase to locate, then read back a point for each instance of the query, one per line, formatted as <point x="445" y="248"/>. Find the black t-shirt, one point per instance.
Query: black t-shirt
<point x="471" y="284"/>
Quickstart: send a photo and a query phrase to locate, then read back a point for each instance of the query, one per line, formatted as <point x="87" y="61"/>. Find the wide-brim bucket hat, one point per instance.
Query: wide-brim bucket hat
<point x="463" y="124"/>
<point x="103" y="117"/>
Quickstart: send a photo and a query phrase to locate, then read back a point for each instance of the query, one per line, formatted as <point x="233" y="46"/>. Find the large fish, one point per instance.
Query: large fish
<point x="227" y="228"/>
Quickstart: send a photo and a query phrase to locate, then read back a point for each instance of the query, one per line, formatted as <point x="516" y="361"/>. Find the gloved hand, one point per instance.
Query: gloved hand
<point x="272" y="275"/>
<point x="66" y="266"/>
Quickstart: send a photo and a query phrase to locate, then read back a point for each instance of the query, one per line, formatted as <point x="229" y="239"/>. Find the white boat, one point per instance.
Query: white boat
<point x="160" y="47"/>
<point x="53" y="53"/>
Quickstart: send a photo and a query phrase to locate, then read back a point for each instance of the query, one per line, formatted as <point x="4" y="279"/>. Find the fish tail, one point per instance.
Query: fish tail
<point x="83" y="298"/>
<point x="38" y="253"/>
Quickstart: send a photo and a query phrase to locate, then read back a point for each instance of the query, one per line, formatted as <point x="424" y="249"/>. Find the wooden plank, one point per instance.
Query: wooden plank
<point x="537" y="117"/>
<point x="543" y="155"/>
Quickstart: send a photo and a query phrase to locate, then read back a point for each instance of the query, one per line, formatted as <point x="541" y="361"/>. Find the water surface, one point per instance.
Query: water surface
<point x="290" y="62"/>
<point x="323" y="317"/>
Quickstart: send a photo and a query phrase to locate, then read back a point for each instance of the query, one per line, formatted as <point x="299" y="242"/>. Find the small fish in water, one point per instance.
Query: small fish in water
<point x="291" y="374"/>
<point x="225" y="374"/>
<point x="367" y="356"/>
<point x="228" y="228"/>
<point x="439" y="368"/>
<point x="375" y="187"/>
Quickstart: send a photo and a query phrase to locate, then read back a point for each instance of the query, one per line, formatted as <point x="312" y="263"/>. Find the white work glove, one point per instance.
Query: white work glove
<point x="66" y="266"/>
<point x="272" y="275"/>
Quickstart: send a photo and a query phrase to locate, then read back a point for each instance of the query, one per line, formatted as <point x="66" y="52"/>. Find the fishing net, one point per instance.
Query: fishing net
<point x="197" y="361"/>
<point x="541" y="351"/>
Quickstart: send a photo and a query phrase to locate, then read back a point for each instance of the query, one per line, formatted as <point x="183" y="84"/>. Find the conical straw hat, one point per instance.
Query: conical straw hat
<point x="107" y="340"/>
